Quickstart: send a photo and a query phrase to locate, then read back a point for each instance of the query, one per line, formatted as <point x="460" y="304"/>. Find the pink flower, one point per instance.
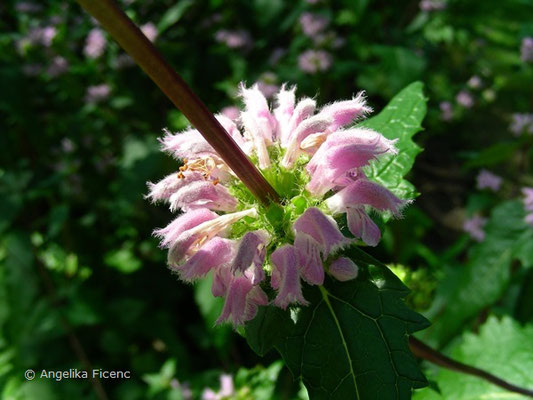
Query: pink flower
<point x="232" y="112"/>
<point x="474" y="227"/>
<point x="322" y="229"/>
<point x="234" y="39"/>
<point x="97" y="93"/>
<point x="94" y="44"/>
<point x="214" y="253"/>
<point x="342" y="153"/>
<point x="526" y="49"/>
<point x="464" y="99"/>
<point x="300" y="151"/>
<point x="242" y="301"/>
<point x="313" y="61"/>
<point x="446" y="110"/>
<point x="58" y="66"/>
<point x="226" y="389"/>
<point x="487" y="180"/>
<point x="251" y="255"/>
<point x="150" y="31"/>
<point x="474" y="82"/>
<point x="313" y="24"/>
<point x="286" y="276"/>
<point x="521" y="123"/>
<point x="343" y="269"/>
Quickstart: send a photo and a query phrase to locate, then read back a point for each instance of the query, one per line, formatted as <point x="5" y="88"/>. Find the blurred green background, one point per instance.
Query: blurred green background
<point x="82" y="282"/>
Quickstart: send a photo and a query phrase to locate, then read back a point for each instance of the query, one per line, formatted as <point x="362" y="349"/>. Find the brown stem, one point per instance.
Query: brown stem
<point x="124" y="31"/>
<point x="422" y="350"/>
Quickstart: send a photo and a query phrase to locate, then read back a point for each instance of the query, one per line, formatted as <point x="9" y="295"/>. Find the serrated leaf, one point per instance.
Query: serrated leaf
<point x="401" y="119"/>
<point x="486" y="276"/>
<point x="503" y="348"/>
<point x="351" y="341"/>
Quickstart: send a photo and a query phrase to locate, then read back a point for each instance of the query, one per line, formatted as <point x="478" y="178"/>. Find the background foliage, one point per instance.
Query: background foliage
<point x="81" y="278"/>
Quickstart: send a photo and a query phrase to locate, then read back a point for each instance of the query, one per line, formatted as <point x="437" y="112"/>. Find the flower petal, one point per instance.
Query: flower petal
<point x="286" y="276"/>
<point x="203" y="193"/>
<point x="343" y="269"/>
<point x="312" y="270"/>
<point x="169" y="185"/>
<point x="215" y="252"/>
<point x="184" y="222"/>
<point x="251" y="253"/>
<point x="362" y="226"/>
<point x="322" y="228"/>
<point x="364" y="192"/>
<point x="345" y="112"/>
<point x="242" y="300"/>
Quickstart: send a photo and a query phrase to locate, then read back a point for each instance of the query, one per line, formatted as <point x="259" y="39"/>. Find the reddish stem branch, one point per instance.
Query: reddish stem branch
<point x="422" y="350"/>
<point x="124" y="31"/>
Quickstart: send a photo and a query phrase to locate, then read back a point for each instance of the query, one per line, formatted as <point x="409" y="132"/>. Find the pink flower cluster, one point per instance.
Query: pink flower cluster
<point x="313" y="61"/>
<point x="474" y="227"/>
<point x="95" y="44"/>
<point x="239" y="39"/>
<point x="326" y="159"/>
<point x="488" y="180"/>
<point x="521" y="123"/>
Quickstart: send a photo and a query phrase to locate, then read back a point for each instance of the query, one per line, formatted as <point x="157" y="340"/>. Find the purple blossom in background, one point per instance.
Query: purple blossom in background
<point x="313" y="24"/>
<point x="200" y="240"/>
<point x="67" y="145"/>
<point x="446" y="110"/>
<point x="95" y="44"/>
<point x="97" y="93"/>
<point x="474" y="82"/>
<point x="528" y="204"/>
<point x="226" y="389"/>
<point x="267" y="84"/>
<point x="234" y="39"/>
<point x="27" y="7"/>
<point x="521" y="123"/>
<point x="464" y="99"/>
<point x="474" y="227"/>
<point x="488" y="180"/>
<point x="432" y="5"/>
<point x="37" y="36"/>
<point x="313" y="61"/>
<point x="150" y="31"/>
<point x="58" y="66"/>
<point x="526" y="49"/>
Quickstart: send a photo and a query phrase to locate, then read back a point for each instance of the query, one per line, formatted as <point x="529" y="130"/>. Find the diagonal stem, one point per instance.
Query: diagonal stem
<point x="124" y="31"/>
<point x="422" y="350"/>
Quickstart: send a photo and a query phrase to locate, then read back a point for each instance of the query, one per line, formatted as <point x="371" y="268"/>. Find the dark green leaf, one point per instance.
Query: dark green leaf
<point x="503" y="348"/>
<point x="351" y="342"/>
<point x="485" y="277"/>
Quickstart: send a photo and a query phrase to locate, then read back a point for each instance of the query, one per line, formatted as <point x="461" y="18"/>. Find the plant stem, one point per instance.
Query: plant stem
<point x="422" y="350"/>
<point x="124" y="31"/>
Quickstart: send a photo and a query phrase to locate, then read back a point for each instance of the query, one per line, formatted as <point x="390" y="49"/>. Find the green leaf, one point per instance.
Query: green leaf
<point x="503" y="348"/>
<point x="400" y="119"/>
<point x="485" y="277"/>
<point x="351" y="341"/>
<point x="173" y="15"/>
